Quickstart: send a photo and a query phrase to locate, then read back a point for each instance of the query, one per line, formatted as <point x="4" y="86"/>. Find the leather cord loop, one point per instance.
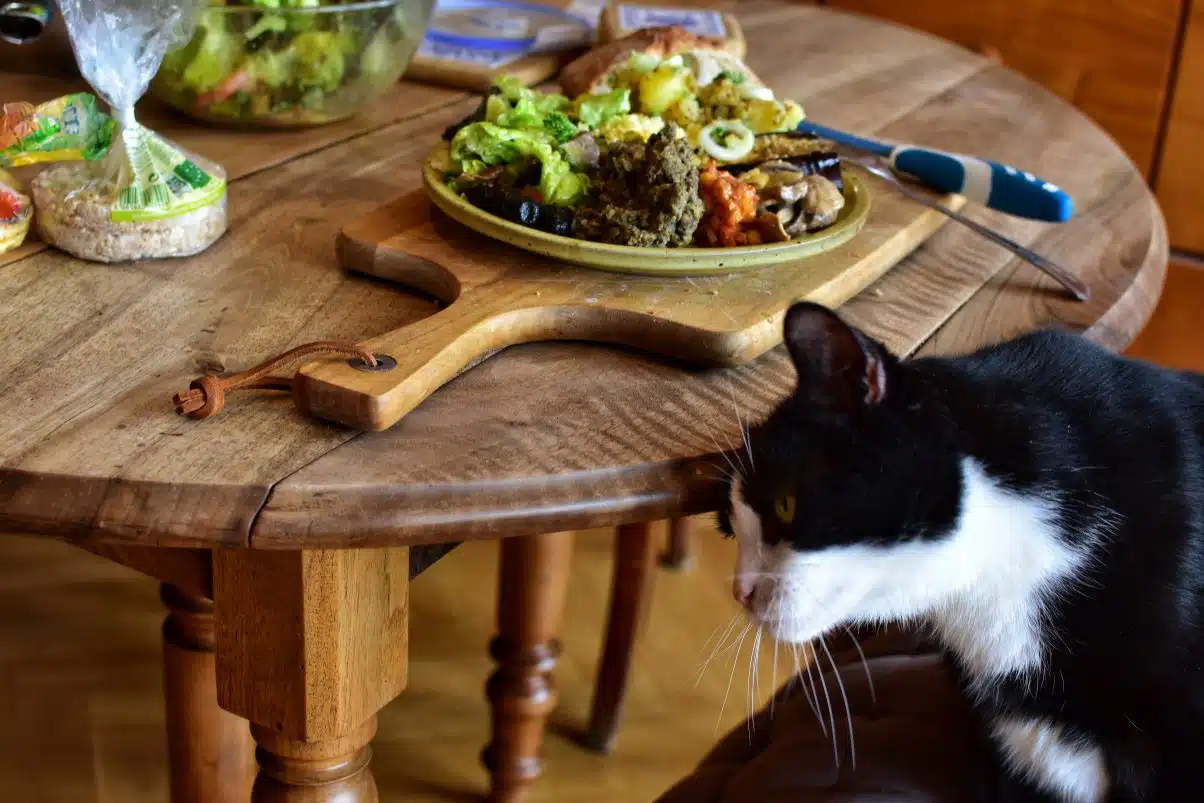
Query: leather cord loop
<point x="206" y="395"/>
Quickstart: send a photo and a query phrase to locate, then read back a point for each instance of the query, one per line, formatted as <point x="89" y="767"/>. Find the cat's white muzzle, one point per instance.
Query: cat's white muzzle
<point x="799" y="600"/>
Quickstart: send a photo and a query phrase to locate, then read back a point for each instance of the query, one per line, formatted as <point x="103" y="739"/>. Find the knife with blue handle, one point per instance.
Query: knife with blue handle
<point x="994" y="185"/>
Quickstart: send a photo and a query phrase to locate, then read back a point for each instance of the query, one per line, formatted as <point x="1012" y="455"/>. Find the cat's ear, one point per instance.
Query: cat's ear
<point x="838" y="366"/>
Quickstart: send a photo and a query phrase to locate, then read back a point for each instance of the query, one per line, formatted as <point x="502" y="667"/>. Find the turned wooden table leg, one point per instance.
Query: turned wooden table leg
<point x="310" y="646"/>
<point x="681" y="546"/>
<point x="210" y="750"/>
<point x="533" y="578"/>
<point x="331" y="771"/>
<point x="631" y="588"/>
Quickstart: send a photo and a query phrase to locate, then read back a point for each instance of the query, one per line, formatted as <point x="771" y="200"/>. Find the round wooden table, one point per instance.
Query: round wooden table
<point x="259" y="508"/>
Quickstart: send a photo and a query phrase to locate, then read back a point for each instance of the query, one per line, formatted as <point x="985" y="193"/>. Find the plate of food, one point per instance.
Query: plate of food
<point x="663" y="154"/>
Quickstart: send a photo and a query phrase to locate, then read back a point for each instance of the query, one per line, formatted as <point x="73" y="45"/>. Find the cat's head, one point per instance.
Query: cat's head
<point x="846" y="489"/>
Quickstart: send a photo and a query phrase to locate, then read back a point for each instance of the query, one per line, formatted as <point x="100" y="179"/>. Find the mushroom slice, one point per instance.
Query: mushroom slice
<point x="797" y="223"/>
<point x="771" y="228"/>
<point x="822" y="203"/>
<point x="793" y="192"/>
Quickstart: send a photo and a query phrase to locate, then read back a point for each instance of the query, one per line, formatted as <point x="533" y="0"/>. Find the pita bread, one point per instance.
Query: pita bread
<point x="589" y="71"/>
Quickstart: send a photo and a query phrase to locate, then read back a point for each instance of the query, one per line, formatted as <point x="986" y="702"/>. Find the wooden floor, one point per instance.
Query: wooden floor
<point x="1175" y="335"/>
<point x="81" y="719"/>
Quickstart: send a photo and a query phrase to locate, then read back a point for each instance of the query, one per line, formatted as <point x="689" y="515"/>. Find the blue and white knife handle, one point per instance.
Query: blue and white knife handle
<point x="991" y="184"/>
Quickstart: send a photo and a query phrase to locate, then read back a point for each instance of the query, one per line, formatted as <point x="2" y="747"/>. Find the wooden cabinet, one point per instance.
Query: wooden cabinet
<point x="1135" y="66"/>
<point x="1111" y="58"/>
<point x="1180" y="178"/>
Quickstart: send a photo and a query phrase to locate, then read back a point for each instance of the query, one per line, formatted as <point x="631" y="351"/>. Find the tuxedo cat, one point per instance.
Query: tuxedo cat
<point x="1039" y="504"/>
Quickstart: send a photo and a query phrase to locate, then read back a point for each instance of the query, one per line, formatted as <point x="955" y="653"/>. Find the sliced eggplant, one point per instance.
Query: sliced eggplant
<point x="817" y="163"/>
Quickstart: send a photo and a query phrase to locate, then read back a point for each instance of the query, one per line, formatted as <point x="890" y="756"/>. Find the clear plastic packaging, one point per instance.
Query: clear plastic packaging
<point x="144" y="197"/>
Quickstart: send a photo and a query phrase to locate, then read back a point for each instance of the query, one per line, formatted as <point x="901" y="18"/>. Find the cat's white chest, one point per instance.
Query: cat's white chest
<point x="1040" y="750"/>
<point x="1012" y="563"/>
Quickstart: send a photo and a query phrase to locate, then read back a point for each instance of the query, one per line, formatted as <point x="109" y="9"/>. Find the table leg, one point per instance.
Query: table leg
<point x="532" y="582"/>
<point x="631" y="588"/>
<point x="310" y="646"/>
<point x="682" y="545"/>
<point x="329" y="771"/>
<point x="211" y="756"/>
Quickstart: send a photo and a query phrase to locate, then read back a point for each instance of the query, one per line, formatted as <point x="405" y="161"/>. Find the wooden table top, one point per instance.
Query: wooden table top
<point x="541" y="437"/>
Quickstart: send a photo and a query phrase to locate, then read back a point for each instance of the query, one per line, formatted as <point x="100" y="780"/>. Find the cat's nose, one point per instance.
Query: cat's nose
<point x="743" y="590"/>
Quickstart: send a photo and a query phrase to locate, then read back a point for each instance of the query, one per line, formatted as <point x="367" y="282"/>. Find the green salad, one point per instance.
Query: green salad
<point x="517" y="127"/>
<point x="664" y="153"/>
<point x="286" y="61"/>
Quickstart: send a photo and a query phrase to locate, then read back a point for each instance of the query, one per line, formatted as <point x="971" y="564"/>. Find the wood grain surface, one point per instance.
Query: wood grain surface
<point x="498" y="296"/>
<point x="544" y="437"/>
<point x="241" y="152"/>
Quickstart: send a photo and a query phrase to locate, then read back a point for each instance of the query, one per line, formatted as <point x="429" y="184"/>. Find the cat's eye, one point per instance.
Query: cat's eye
<point x="783" y="508"/>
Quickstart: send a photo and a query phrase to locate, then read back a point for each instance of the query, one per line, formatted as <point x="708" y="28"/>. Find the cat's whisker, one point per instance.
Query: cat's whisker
<point x="738" y="470"/>
<point x="715" y="651"/>
<point x="828" y="702"/>
<point x="807" y="692"/>
<point x="848" y="714"/>
<point x="732" y="676"/>
<point x="773" y="680"/>
<point x="869" y="678"/>
<point x="715" y="633"/>
<point x="751" y="691"/>
<point x="744" y="435"/>
<point x="819" y="715"/>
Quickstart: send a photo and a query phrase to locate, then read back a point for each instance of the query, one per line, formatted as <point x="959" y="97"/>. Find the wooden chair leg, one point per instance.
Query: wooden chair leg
<point x="212" y="758"/>
<point x="533" y="578"/>
<point x="631" y="588"/>
<point x="682" y="545"/>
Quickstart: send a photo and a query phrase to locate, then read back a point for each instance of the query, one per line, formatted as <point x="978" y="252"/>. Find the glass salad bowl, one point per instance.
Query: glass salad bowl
<point x="291" y="63"/>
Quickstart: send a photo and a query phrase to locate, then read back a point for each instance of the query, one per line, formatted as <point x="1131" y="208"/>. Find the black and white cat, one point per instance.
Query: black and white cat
<point x="1038" y="503"/>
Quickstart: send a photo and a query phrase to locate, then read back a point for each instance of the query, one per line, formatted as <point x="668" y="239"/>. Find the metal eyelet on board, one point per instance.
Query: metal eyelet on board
<point x="383" y="363"/>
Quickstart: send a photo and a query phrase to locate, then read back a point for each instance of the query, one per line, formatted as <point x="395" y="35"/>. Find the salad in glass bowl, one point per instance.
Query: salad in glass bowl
<point x="290" y="63"/>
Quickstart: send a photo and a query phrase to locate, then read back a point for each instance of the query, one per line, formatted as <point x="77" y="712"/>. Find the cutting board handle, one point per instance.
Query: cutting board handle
<point x="414" y="362"/>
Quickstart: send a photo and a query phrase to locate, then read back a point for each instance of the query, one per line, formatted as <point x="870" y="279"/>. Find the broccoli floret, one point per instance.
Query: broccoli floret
<point x="268" y="22"/>
<point x="319" y="62"/>
<point x="559" y="127"/>
<point x="217" y="52"/>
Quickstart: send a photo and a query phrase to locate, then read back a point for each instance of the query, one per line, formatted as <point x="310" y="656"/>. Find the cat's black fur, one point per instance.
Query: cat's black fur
<point x="870" y="446"/>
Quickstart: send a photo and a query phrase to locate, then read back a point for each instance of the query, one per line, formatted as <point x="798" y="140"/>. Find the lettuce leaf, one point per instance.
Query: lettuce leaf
<point x="486" y="144"/>
<point x="523" y="115"/>
<point x="593" y="110"/>
<point x="515" y="91"/>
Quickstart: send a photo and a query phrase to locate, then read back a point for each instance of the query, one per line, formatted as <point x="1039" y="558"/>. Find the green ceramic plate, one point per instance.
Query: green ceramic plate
<point x="648" y="261"/>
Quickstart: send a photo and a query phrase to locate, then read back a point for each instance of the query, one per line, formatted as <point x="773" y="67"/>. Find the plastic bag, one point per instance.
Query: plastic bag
<point x="66" y="128"/>
<point x="15" y="213"/>
<point x="145" y="197"/>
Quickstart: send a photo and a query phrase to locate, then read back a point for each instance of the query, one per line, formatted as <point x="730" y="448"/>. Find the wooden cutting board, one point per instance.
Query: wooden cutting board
<point x="499" y="296"/>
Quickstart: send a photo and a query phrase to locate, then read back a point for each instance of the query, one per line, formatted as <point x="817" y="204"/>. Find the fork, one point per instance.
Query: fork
<point x="1055" y="271"/>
